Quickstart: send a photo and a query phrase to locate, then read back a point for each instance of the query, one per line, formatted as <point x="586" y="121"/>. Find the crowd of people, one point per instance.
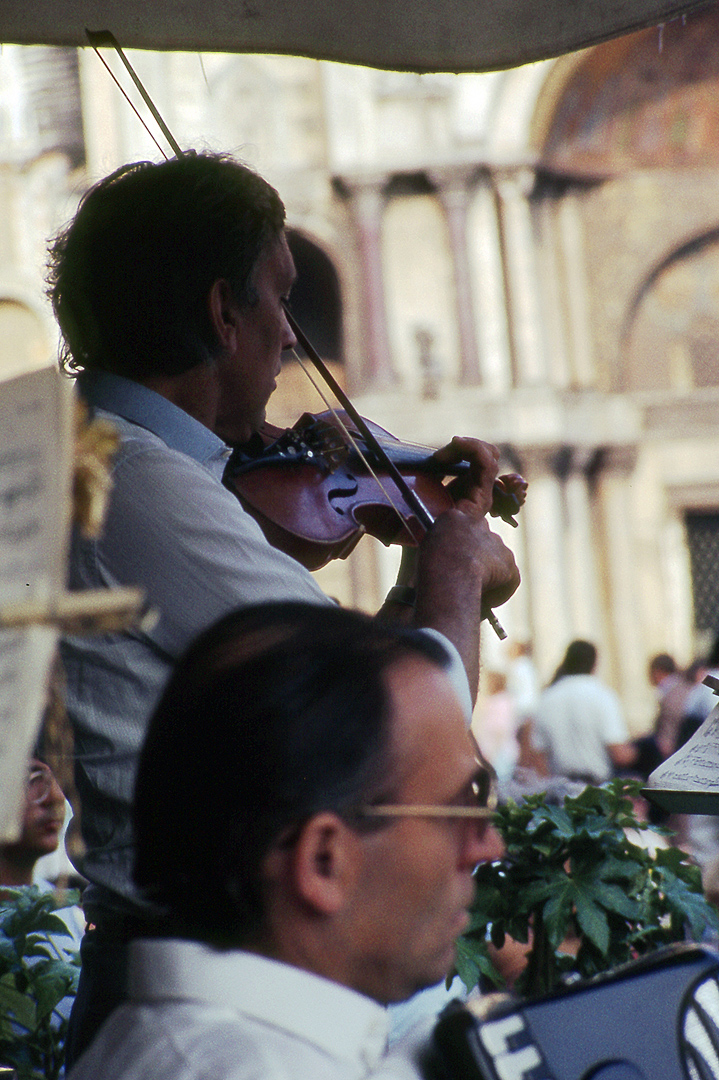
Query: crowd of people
<point x="282" y="803"/>
<point x="573" y="731"/>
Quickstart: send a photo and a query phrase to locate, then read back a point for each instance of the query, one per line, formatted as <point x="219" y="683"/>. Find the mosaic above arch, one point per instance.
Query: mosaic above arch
<point x="647" y="100"/>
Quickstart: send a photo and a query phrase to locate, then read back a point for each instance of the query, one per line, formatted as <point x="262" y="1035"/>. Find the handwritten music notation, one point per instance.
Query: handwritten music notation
<point x="688" y="781"/>
<point x="35" y="486"/>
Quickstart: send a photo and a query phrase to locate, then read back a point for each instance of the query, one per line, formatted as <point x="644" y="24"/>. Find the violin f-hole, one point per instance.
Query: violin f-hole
<point x="336" y="494"/>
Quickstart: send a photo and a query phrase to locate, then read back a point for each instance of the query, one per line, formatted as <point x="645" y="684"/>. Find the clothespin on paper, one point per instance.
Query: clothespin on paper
<point x="91" y="611"/>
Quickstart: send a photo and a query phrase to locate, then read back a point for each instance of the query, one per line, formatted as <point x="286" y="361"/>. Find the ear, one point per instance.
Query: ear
<point x="327" y="860"/>
<point x="223" y="312"/>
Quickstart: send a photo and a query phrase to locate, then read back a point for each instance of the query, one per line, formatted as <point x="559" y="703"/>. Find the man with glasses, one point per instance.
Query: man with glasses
<point x="309" y="812"/>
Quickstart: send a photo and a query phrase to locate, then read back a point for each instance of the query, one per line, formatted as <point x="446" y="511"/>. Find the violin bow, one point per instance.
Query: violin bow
<point x="100" y="39"/>
<point x="410" y="496"/>
<point x="106" y="39"/>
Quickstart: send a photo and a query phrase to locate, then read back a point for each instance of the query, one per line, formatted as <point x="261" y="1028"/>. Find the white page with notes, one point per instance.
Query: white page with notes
<point x="36" y="465"/>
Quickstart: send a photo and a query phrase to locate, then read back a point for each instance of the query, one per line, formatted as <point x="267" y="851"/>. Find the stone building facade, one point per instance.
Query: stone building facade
<point x="529" y="256"/>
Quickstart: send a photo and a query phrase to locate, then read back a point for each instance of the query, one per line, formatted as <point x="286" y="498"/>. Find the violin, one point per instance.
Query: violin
<point x="315" y="491"/>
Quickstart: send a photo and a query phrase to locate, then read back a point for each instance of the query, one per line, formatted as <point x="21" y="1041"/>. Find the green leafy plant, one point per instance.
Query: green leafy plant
<point x="576" y="888"/>
<point x="37" y="972"/>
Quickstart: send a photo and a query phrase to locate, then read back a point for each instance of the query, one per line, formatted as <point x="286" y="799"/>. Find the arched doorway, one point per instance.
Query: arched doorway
<point x="316" y="305"/>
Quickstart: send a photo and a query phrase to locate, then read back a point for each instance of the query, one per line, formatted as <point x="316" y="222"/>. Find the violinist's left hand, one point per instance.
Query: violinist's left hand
<point x="510" y="493"/>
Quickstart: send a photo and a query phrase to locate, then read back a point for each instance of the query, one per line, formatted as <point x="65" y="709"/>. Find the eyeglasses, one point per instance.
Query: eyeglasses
<point x="39" y="783"/>
<point x="481" y="804"/>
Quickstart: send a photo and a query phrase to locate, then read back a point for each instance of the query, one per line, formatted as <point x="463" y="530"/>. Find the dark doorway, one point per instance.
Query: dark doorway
<point x="703" y="538"/>
<point x="315" y="301"/>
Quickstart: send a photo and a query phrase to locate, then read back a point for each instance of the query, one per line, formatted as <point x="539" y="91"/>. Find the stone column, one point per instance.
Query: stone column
<point x="563" y="556"/>
<point x="582" y="571"/>
<point x="453" y="194"/>
<point x="577" y="292"/>
<point x="615" y="497"/>
<point x="367" y="203"/>
<point x="546" y="581"/>
<point x="513" y="189"/>
<point x="489" y="291"/>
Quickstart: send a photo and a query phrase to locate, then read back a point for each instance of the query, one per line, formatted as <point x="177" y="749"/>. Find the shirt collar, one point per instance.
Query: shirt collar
<point x="341" y="1022"/>
<point x="140" y="405"/>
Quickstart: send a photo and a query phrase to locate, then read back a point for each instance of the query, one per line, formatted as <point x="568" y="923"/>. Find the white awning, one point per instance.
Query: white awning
<point x="419" y="35"/>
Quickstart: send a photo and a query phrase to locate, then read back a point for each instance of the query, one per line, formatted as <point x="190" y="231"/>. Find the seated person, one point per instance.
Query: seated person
<point x="40" y="830"/>
<point x="318" y="769"/>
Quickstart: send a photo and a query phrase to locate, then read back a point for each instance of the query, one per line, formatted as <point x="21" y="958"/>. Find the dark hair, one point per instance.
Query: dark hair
<point x="579" y="659"/>
<point x="276" y="713"/>
<point x="663" y="662"/>
<point x="130" y="276"/>
<point x="713" y="656"/>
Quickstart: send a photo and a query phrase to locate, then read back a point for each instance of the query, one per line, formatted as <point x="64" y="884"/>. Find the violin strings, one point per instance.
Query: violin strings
<point x="353" y="443"/>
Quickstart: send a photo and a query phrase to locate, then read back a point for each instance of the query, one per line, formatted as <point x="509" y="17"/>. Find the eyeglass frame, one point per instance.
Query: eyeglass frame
<point x="35" y="772"/>
<point x="429" y="810"/>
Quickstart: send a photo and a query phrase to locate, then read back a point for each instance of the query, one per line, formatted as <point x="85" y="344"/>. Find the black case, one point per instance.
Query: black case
<point x="654" y="1019"/>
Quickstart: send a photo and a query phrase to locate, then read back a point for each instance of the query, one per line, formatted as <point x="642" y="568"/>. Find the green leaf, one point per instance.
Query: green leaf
<point x="468" y="964"/>
<point x="613" y="898"/>
<point x="572" y="869"/>
<point x="592" y="921"/>
<point x="50" y="991"/>
<point x="16" y="1004"/>
<point x="557" y="914"/>
<point x="560" y="820"/>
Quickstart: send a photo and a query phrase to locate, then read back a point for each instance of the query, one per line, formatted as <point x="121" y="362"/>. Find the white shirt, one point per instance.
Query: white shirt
<point x="577" y="718"/>
<point x="175" y="530"/>
<point x="198" y="1013"/>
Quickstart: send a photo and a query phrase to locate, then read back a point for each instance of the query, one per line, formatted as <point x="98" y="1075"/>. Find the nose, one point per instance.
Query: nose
<point x="482" y="844"/>
<point x="289" y="341"/>
<point x="54" y="795"/>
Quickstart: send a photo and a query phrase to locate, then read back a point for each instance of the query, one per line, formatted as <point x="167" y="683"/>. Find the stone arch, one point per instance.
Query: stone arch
<point x="316" y="297"/>
<point x="622" y="132"/>
<point x="671" y="336"/>
<point x="316" y="304"/>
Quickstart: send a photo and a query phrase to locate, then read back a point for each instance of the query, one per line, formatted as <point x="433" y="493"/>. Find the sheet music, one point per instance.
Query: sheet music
<point x="36" y="462"/>
<point x="688" y="781"/>
<point x="695" y="766"/>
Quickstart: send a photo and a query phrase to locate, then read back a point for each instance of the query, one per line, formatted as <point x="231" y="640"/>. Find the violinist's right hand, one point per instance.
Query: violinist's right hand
<point x="465" y="558"/>
<point x="464" y="569"/>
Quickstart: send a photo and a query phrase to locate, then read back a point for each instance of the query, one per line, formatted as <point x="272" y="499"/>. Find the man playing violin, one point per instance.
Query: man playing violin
<point x="169" y="287"/>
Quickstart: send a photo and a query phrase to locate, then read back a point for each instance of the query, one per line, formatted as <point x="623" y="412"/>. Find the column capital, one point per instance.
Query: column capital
<point x="514" y="181"/>
<point x="563" y="460"/>
<point x="454" y="182"/>
<point x="365" y="187"/>
<point x="366" y="197"/>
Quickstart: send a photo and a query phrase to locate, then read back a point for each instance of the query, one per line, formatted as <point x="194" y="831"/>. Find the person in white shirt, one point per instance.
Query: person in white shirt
<point x="579" y="730"/>
<point x="309" y="811"/>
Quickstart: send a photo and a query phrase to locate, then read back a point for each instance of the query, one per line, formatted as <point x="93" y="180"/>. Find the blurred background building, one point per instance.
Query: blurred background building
<point x="528" y="256"/>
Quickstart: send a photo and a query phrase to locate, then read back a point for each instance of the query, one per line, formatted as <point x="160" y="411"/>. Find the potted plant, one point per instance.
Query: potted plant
<point x="39" y="969"/>
<point x="580" y="890"/>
